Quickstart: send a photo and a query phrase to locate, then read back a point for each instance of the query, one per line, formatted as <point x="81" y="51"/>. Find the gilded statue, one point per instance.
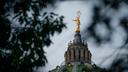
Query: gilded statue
<point x="77" y="20"/>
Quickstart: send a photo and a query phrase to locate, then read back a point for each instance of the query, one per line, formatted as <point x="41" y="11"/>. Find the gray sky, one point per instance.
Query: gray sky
<point x="55" y="53"/>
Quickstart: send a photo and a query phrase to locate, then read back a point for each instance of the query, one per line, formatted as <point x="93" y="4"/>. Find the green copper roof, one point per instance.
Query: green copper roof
<point x="79" y="68"/>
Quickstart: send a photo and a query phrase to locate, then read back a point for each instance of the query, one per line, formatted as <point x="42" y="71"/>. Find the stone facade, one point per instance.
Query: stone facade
<point x="77" y="51"/>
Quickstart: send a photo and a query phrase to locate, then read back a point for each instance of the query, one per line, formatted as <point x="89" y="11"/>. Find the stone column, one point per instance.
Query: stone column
<point x="85" y="56"/>
<point x="69" y="55"/>
<point x="81" y="54"/>
<point x="89" y="57"/>
<point x="72" y="55"/>
<point x="77" y="54"/>
<point x="65" y="56"/>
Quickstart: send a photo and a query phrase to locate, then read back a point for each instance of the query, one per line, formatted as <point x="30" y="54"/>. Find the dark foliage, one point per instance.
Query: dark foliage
<point x="101" y="18"/>
<point x="24" y="31"/>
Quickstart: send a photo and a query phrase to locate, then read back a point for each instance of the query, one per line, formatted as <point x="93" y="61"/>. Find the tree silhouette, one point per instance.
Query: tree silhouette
<point x="102" y="19"/>
<point x="24" y="32"/>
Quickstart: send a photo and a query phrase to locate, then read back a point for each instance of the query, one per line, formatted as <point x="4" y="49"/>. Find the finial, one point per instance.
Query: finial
<point x="77" y="20"/>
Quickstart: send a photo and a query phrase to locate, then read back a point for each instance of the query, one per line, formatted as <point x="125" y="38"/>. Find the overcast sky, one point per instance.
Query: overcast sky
<point x="55" y="53"/>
